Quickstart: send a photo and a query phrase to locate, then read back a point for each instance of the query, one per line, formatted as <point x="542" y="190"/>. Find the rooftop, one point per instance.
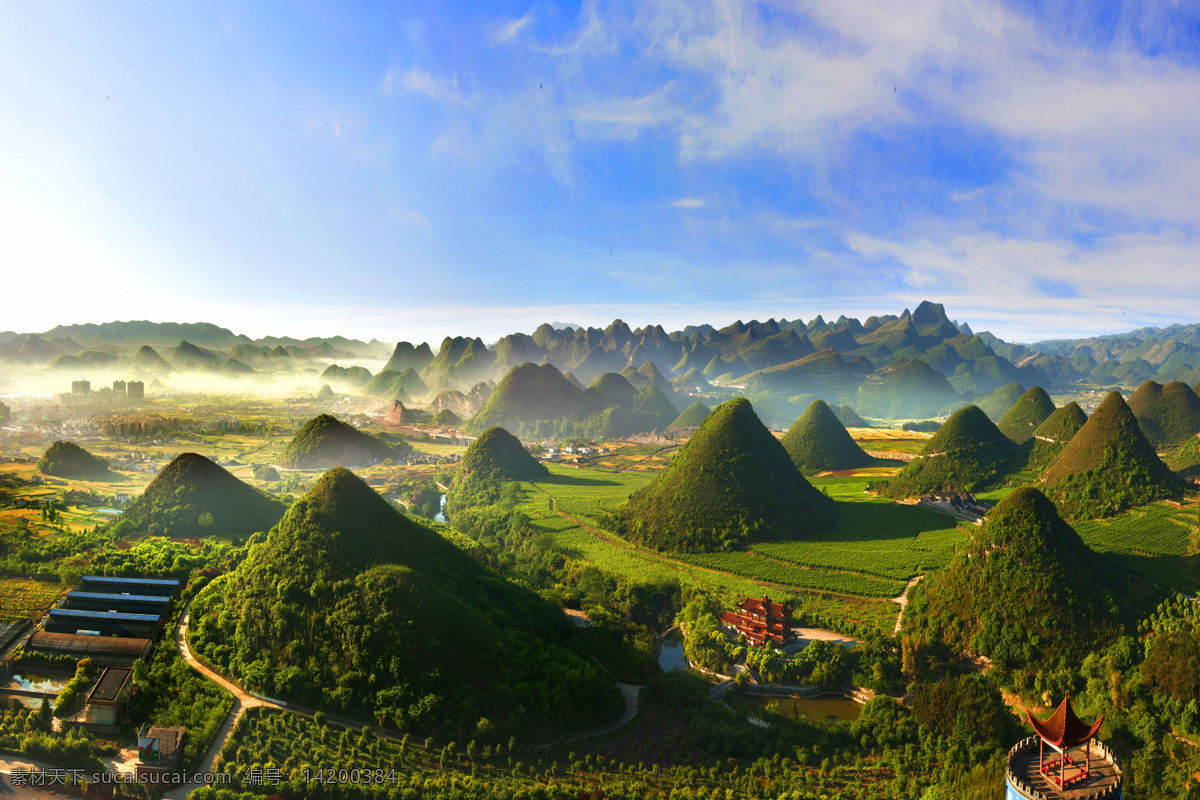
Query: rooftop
<point x="108" y="688"/>
<point x="170" y="583"/>
<point x="169" y="742"/>
<point x="95" y="597"/>
<point x="97" y="645"/>
<point x="115" y="616"/>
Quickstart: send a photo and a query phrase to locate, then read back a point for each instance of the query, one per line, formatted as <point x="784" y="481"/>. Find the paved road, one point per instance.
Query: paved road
<point x="241" y="701"/>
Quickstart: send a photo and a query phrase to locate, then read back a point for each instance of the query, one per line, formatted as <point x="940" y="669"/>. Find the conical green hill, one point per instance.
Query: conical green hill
<point x="1063" y="424"/>
<point x="967" y="428"/>
<point x="849" y="418"/>
<point x="529" y="392"/>
<point x="968" y="453"/>
<point x="350" y="606"/>
<point x="1168" y="415"/>
<point x="817" y="442"/>
<point x="326" y="441"/>
<point x="732" y="482"/>
<point x="1020" y="421"/>
<point x="1108" y="466"/>
<point x="692" y="416"/>
<point x="69" y="460"/>
<point x="1052" y="435"/>
<point x="1025" y="592"/>
<point x="193" y="496"/>
<point x="610" y="389"/>
<point x="498" y="455"/>
<point x="998" y="401"/>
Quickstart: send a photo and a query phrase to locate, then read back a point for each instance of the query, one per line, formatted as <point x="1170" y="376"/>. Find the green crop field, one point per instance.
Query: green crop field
<point x="1157" y="542"/>
<point x="876" y="538"/>
<point x="21" y="598"/>
<point x="875" y="548"/>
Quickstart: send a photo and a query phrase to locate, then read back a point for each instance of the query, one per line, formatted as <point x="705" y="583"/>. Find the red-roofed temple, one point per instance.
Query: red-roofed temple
<point x="761" y="621"/>
<point x="1064" y="732"/>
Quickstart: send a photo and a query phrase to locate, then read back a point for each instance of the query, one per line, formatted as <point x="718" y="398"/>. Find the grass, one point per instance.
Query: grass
<point x="885" y="541"/>
<point x="844" y="574"/>
<point x="21" y="598"/>
<point x="1156" y="542"/>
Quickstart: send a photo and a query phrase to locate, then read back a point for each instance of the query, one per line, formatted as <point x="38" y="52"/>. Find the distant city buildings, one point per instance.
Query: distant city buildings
<point x="81" y="387"/>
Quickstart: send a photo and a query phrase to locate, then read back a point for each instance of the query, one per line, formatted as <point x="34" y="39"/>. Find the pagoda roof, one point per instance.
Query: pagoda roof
<point x="763" y="606"/>
<point x="1063" y="729"/>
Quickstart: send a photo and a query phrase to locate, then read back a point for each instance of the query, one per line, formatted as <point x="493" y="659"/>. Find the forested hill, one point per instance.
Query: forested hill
<point x="349" y="605"/>
<point x="194" y="496"/>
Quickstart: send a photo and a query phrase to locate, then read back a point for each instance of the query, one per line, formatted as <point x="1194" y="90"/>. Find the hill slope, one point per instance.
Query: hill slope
<point x="1186" y="460"/>
<point x="817" y="442"/>
<point x="1022" y="419"/>
<point x="692" y="416"/>
<point x="69" y="460"/>
<point x="1108" y="466"/>
<point x="732" y="482"/>
<point x="351" y="606"/>
<point x="192" y="496"/>
<point x="905" y="388"/>
<point x="1024" y="592"/>
<point x="498" y="455"/>
<point x="967" y="453"/>
<point x="1168" y="415"/>
<point x="1051" y="437"/>
<point x="326" y="441"/>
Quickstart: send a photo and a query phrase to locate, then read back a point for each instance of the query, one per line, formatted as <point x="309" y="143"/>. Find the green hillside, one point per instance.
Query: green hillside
<point x="351" y="606"/>
<point x="1168" y="415"/>
<point x="326" y="441"/>
<point x="692" y="416"/>
<point x="498" y="455"/>
<point x="968" y="453"/>
<point x="1024" y="592"/>
<point x="1186" y="460"/>
<point x="692" y="379"/>
<point x="849" y="418"/>
<point x="69" y="460"/>
<point x="998" y="401"/>
<point x="194" y="497"/>
<point x="529" y="393"/>
<point x="1063" y="424"/>
<point x="1051" y="437"/>
<point x="1026" y="414"/>
<point x="730" y="484"/>
<point x="652" y="409"/>
<point x="818" y="441"/>
<point x="1108" y="466"/>
<point x="905" y="389"/>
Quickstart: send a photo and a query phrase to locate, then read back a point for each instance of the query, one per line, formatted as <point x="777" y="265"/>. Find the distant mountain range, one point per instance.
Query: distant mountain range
<point x="917" y="364"/>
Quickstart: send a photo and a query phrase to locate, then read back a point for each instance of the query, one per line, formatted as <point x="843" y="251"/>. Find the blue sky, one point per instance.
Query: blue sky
<point x="408" y="171"/>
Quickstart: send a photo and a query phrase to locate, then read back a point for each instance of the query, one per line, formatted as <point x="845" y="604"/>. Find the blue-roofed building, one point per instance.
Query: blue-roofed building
<point x="124" y="603"/>
<point x="106" y="623"/>
<point x="104" y="584"/>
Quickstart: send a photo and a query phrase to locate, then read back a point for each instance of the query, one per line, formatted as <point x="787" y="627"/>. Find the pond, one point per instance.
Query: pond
<point x="33" y="682"/>
<point x="824" y="708"/>
<point x="440" y="516"/>
<point x="25" y="700"/>
<point x="671" y="655"/>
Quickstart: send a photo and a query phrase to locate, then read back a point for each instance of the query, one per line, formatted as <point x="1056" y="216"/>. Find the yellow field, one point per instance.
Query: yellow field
<point x="21" y="598"/>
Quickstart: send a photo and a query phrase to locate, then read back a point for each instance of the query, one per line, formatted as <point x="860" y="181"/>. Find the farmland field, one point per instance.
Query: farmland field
<point x="21" y="598"/>
<point x="876" y="547"/>
<point x="1158" y="543"/>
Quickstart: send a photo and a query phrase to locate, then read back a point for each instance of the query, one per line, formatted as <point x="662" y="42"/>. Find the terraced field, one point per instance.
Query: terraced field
<point x="1158" y="543"/>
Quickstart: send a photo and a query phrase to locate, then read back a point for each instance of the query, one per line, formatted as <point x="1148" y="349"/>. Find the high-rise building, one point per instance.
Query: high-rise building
<point x="81" y="387"/>
<point x="135" y="390"/>
<point x="119" y="387"/>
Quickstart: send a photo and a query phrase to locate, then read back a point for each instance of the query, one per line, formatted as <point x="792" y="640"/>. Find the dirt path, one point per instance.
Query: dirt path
<point x="902" y="601"/>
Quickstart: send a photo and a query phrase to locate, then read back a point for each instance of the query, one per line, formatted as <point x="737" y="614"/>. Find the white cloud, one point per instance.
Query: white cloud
<point x="419" y="81"/>
<point x="508" y="31"/>
<point x="687" y="203"/>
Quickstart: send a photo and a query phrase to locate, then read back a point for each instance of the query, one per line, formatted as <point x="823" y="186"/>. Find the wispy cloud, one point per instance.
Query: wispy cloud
<point x="418" y="81"/>
<point x="506" y="32"/>
<point x="687" y="203"/>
